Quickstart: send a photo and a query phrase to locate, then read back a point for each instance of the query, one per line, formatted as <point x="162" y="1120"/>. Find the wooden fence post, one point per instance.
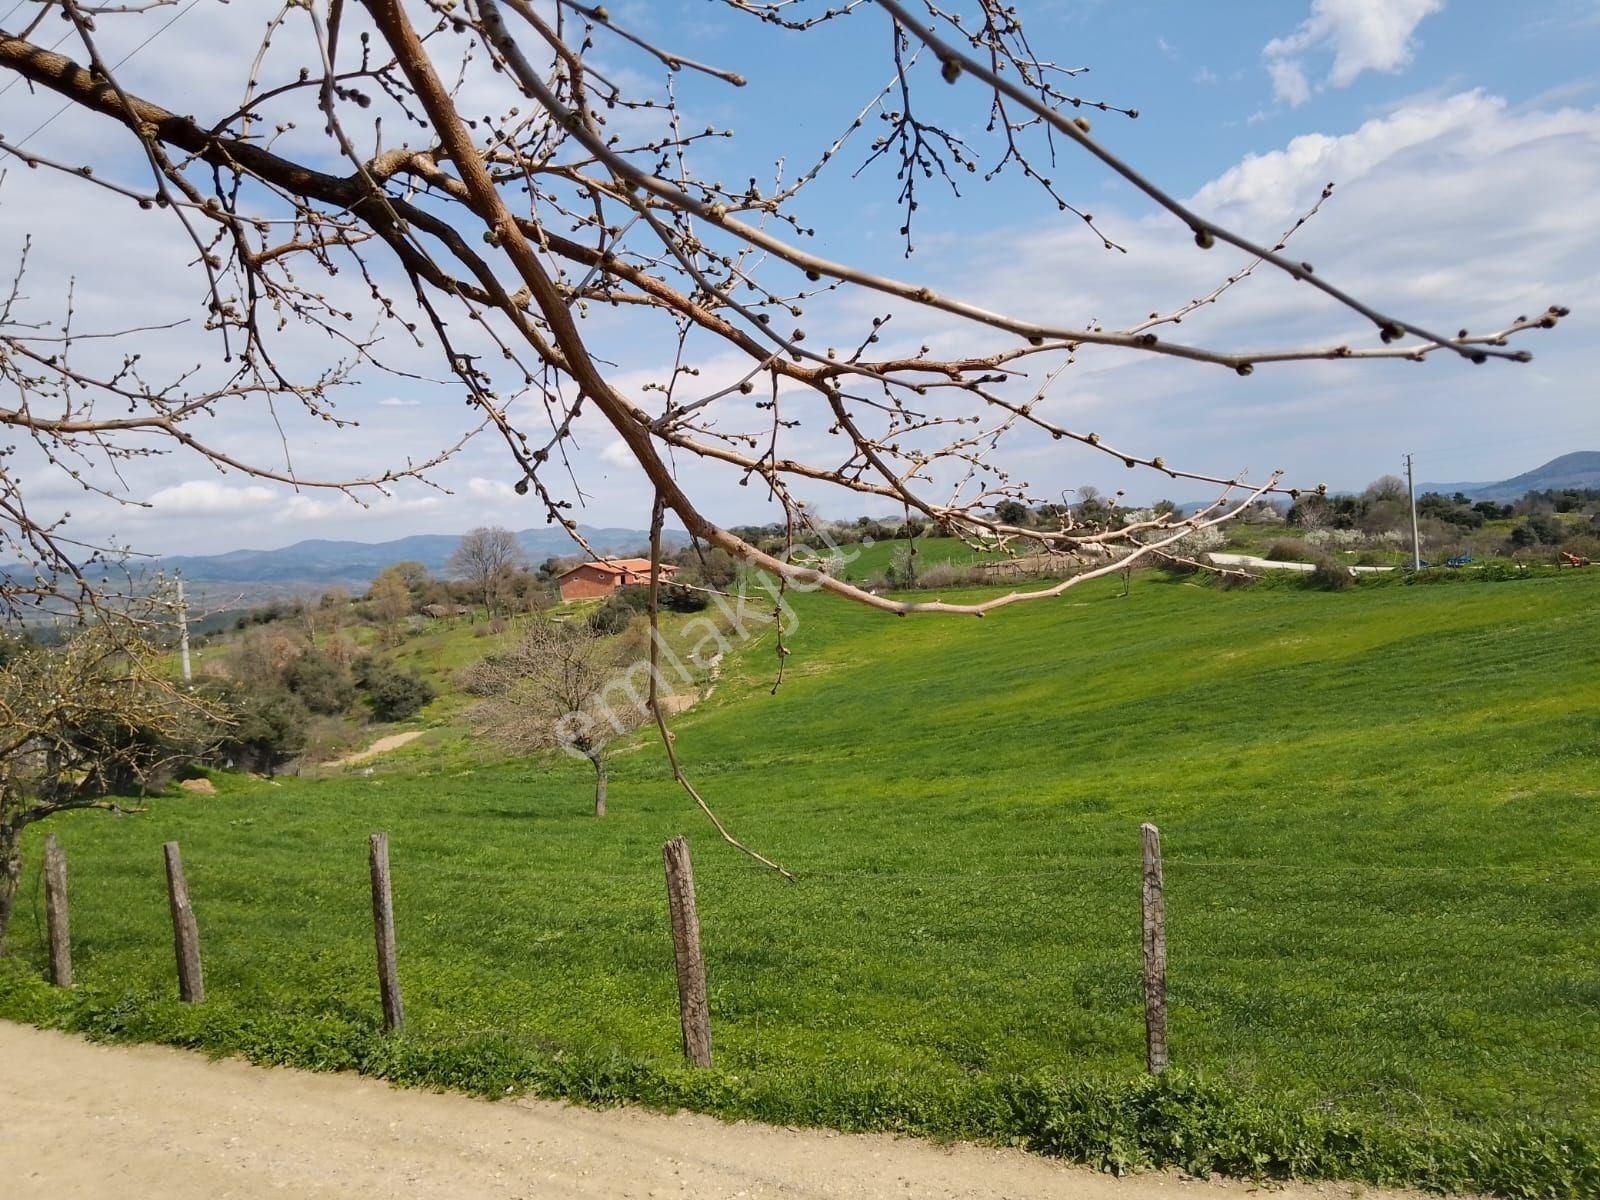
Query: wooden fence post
<point x="692" y="1007"/>
<point x="185" y="933"/>
<point x="394" y="1017"/>
<point x="1155" y="952"/>
<point x="55" y="907"/>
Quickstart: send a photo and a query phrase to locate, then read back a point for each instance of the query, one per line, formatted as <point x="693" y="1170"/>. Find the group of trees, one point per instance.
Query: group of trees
<point x="278" y="683"/>
<point x="1456" y="523"/>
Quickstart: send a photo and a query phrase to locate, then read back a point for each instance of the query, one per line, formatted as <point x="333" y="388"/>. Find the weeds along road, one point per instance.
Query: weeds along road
<point x="88" y="1121"/>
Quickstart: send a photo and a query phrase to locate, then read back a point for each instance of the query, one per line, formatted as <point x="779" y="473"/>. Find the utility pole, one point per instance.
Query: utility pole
<point x="183" y="631"/>
<point x="1416" y="541"/>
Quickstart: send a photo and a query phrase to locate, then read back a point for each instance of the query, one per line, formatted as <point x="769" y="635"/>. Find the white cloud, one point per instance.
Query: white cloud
<point x="396" y="402"/>
<point x="1455" y="212"/>
<point x="1289" y="82"/>
<point x="304" y="508"/>
<point x="490" y="489"/>
<point x="209" y="498"/>
<point x="1362" y="35"/>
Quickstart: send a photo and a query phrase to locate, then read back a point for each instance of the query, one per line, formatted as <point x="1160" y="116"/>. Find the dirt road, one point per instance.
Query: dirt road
<point x="382" y="746"/>
<point x="85" y="1121"/>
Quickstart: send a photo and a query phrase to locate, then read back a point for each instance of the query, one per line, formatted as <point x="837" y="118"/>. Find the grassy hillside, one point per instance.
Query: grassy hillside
<point x="1382" y="889"/>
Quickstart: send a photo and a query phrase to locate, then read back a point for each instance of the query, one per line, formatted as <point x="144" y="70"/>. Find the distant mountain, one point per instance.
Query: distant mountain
<point x="322" y="562"/>
<point x="1580" y="469"/>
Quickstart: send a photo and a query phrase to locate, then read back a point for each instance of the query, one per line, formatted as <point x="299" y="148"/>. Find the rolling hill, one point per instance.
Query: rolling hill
<point x="1580" y="469"/>
<point x="319" y="560"/>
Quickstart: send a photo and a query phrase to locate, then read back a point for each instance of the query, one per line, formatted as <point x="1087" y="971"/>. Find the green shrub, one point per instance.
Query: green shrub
<point x="1290" y="550"/>
<point x="619" y="610"/>
<point x="322" y="684"/>
<point x="1330" y="575"/>
<point x="678" y="598"/>
<point x="393" y="695"/>
<point x="269" y="727"/>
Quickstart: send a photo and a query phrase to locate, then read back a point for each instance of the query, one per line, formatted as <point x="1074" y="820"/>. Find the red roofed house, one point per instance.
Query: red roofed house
<point x="592" y="579"/>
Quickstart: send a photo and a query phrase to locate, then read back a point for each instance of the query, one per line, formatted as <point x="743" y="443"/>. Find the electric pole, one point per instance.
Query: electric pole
<point x="183" y="631"/>
<point x="1416" y="541"/>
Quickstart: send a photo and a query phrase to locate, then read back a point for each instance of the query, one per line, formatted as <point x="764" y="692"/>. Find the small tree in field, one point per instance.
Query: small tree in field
<point x="484" y="558"/>
<point x="562" y="687"/>
<point x="79" y="724"/>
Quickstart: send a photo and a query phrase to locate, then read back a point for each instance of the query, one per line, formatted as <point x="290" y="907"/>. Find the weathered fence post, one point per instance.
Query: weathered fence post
<point x="1155" y="952"/>
<point x="394" y="1017"/>
<point x="185" y="933"/>
<point x="55" y="908"/>
<point x="692" y="1007"/>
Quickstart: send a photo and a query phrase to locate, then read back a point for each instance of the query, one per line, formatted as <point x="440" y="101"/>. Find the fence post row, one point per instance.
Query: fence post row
<point x="185" y="932"/>
<point x="1155" y="952"/>
<point x="394" y="1017"/>
<point x="56" y="913"/>
<point x="693" y="1010"/>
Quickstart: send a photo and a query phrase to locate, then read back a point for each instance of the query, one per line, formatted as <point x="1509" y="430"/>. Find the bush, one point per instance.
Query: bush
<point x="269" y="727"/>
<point x="713" y="567"/>
<point x="1584" y="546"/>
<point x="901" y="573"/>
<point x="619" y="610"/>
<point x="1289" y="550"/>
<point x="1540" y="529"/>
<point x="942" y="575"/>
<point x="322" y="684"/>
<point x="681" y="599"/>
<point x="1330" y="576"/>
<point x="394" y="695"/>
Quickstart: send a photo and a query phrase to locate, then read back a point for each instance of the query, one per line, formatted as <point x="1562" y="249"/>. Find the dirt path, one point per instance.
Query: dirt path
<point x="123" y="1123"/>
<point x="384" y="744"/>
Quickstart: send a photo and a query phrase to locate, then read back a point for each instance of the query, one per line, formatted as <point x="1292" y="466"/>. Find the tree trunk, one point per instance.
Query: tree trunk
<point x="10" y="877"/>
<point x="599" y="762"/>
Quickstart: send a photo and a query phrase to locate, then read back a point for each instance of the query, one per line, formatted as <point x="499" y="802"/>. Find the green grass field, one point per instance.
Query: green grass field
<point x="1383" y="889"/>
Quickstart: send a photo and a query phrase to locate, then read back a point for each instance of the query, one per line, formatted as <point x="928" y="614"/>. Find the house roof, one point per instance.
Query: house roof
<point x="620" y="566"/>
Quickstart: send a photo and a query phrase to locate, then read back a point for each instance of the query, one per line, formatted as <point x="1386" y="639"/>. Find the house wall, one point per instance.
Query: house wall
<point x="585" y="583"/>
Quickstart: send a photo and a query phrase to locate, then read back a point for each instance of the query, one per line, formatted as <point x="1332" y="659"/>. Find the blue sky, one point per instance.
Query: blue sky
<point x="1464" y="138"/>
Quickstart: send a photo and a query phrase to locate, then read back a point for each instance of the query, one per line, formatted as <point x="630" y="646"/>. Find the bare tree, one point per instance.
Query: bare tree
<point x="1386" y="487"/>
<point x="484" y="558"/>
<point x="563" y="686"/>
<point x="525" y="210"/>
<point x="80" y="724"/>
